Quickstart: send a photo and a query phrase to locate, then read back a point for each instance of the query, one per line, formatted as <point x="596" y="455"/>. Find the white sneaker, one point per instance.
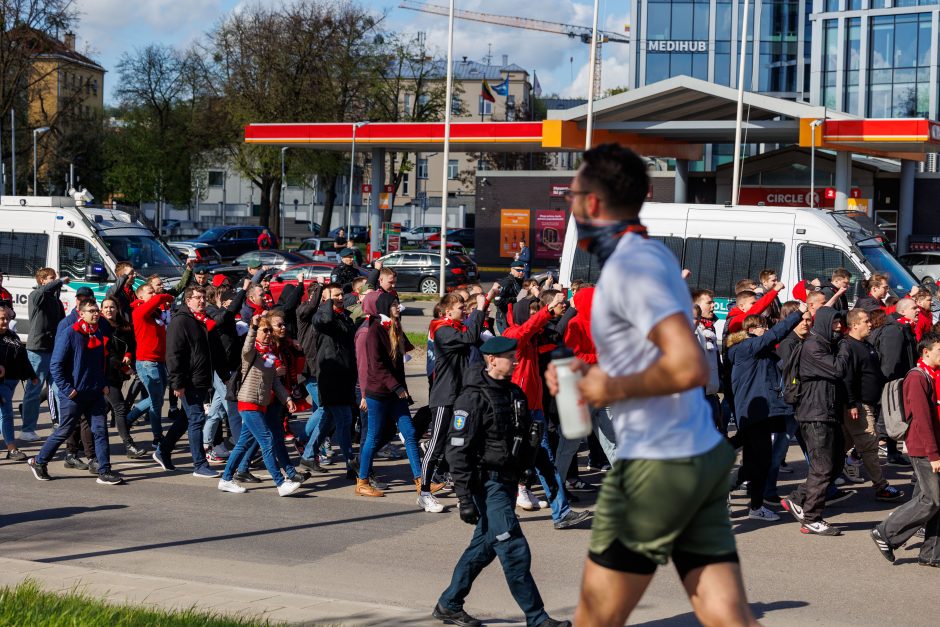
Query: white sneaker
<point x="231" y="486"/>
<point x="430" y="503"/>
<point x="853" y="472"/>
<point x="526" y="500"/>
<point x="287" y="488"/>
<point x="542" y="503"/>
<point x="28" y="436"/>
<point x="763" y="514"/>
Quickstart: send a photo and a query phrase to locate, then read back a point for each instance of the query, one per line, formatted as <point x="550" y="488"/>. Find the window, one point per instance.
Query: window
<point x="148" y="254"/>
<point x="411" y="259"/>
<point x="23" y="254"/>
<point x="216" y="178"/>
<point x="452" y="169"/>
<point x="392" y="260"/>
<point x="818" y="262"/>
<point x="486" y="107"/>
<point x="75" y="255"/>
<point x="455" y="105"/>
<point x="406" y="109"/>
<point x="404" y="184"/>
<point x="899" y="71"/>
<point x="422" y="168"/>
<point x="719" y="263"/>
<point x="586" y="267"/>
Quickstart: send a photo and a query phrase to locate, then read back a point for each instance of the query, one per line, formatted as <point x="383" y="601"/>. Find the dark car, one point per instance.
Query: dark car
<point x="202" y="253"/>
<point x="280" y="259"/>
<point x="420" y="270"/>
<point x="464" y="237"/>
<point x="360" y="234"/>
<point x="231" y="241"/>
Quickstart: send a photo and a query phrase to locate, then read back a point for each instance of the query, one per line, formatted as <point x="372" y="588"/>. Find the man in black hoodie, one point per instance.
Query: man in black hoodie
<point x="822" y="368"/>
<point x="840" y="279"/>
<point x="510" y="287"/>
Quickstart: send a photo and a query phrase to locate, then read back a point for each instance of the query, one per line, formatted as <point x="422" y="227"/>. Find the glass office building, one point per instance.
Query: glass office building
<point x="701" y="38"/>
<point x="878" y="58"/>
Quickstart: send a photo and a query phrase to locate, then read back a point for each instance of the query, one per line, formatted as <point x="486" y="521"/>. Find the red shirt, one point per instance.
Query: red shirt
<point x="736" y="316"/>
<point x="526" y="375"/>
<point x="924" y="323"/>
<point x="150" y="327"/>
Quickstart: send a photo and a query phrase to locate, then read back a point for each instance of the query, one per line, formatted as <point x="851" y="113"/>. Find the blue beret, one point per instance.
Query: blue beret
<point x="498" y="345"/>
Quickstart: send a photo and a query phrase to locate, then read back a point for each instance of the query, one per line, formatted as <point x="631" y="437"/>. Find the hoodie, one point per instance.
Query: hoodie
<point x="526" y="374"/>
<point x="824" y="362"/>
<point x="578" y="335"/>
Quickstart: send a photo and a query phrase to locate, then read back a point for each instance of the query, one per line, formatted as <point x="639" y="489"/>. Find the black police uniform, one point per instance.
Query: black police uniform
<point x="489" y="446"/>
<point x="344" y="275"/>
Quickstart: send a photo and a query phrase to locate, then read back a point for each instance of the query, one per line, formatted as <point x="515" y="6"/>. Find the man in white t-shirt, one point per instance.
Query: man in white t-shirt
<point x="666" y="495"/>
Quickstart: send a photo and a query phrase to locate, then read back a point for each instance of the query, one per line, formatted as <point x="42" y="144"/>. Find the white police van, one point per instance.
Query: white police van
<point x="723" y="244"/>
<point x="80" y="242"/>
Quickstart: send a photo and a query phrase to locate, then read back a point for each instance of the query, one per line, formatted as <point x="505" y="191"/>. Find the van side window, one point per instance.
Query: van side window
<point x="75" y="254"/>
<point x="23" y="254"/>
<point x="717" y="264"/>
<point x="586" y="267"/>
<point x="818" y="262"/>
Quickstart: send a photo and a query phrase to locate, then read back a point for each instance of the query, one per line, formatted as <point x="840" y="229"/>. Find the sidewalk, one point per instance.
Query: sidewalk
<point x="176" y="594"/>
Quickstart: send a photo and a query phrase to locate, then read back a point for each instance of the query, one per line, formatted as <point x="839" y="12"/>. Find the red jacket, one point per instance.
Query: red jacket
<point x="526" y="374"/>
<point x="924" y="323"/>
<point x="264" y="242"/>
<point x="578" y="336"/>
<point x="736" y="316"/>
<point x="920" y="402"/>
<point x="149" y="327"/>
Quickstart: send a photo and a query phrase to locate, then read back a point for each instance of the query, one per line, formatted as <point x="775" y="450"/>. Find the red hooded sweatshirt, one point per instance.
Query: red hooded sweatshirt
<point x="150" y="328"/>
<point x="924" y="324"/>
<point x="578" y="336"/>
<point x="526" y="374"/>
<point x="736" y="316"/>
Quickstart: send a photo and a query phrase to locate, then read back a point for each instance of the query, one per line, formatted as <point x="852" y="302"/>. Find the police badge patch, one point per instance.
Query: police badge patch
<point x="460" y="419"/>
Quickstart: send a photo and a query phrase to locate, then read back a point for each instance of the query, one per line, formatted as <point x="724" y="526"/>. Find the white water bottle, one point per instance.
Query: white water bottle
<point x="572" y="410"/>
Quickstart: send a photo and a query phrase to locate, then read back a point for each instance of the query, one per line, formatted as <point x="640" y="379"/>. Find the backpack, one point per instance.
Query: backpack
<point x="892" y="406"/>
<point x="791" y="376"/>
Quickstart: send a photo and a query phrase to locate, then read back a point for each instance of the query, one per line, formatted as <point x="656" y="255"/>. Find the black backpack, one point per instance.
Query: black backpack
<point x="791" y="376"/>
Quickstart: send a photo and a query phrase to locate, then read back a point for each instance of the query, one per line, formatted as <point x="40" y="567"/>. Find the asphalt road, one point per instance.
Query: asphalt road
<point x="325" y="541"/>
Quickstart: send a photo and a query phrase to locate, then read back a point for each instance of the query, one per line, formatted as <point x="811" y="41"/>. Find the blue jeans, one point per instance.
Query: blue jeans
<point x="313" y="422"/>
<point x="191" y="419"/>
<point x="39" y="360"/>
<point x="333" y="419"/>
<point x="254" y="432"/>
<point x="7" y="388"/>
<point x="497" y="534"/>
<point x="394" y="409"/>
<point x="152" y="376"/>
<point x="71" y="411"/>
<point x="779" y="448"/>
<point x="219" y="408"/>
<point x="559" y="503"/>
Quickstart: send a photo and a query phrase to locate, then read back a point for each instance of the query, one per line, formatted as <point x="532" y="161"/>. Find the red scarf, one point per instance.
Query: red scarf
<point x="206" y="320"/>
<point x="269" y="357"/>
<point x="256" y="310"/>
<point x="707" y="323"/>
<point x="268" y="300"/>
<point x="91" y="332"/>
<point x="934" y="375"/>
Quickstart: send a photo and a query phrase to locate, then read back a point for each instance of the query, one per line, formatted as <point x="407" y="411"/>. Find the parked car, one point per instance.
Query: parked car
<point x="318" y="249"/>
<point x="420" y="270"/>
<point x="313" y="272"/>
<point x="204" y="254"/>
<point x="280" y="259"/>
<point x="230" y="241"/>
<point x="170" y="228"/>
<point x="466" y="237"/>
<point x="418" y="235"/>
<point x="923" y="264"/>
<point x="360" y="234"/>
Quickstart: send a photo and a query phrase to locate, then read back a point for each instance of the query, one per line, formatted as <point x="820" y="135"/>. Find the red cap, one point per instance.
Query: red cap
<point x="799" y="291"/>
<point x="219" y="279"/>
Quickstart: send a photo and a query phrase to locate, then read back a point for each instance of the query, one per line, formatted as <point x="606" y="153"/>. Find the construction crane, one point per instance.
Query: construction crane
<point x="584" y="33"/>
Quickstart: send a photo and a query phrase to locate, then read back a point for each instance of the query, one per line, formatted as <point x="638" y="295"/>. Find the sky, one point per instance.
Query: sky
<point x="109" y="28"/>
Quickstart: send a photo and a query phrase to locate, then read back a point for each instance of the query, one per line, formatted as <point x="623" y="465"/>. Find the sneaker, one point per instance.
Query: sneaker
<point x="820" y="528"/>
<point x="921" y="533"/>
<point x="28" y="436"/>
<point x="882" y="450"/>
<point x="164" y="463"/>
<point x="429" y="503"/>
<point x="312" y="464"/>
<point x="300" y="475"/>
<point x="327" y="460"/>
<point x="246" y="477"/>
<point x="526" y="500"/>
<point x="542" y="503"/>
<point x="212" y="458"/>
<point x="287" y="488"/>
<point x="76" y="462"/>
<point x="573" y="519"/>
<point x="388" y="452"/>
<point x="376" y="483"/>
<point x="16" y="455"/>
<point x="39" y="470"/>
<point x="551" y="622"/>
<point x="840" y="481"/>
<point x="577" y="484"/>
<point x="886" y="549"/>
<point x="853" y="472"/>
<point x="231" y="486"/>
<point x="785" y="469"/>
<point x="762" y="514"/>
<point x="289" y="437"/>
<point x="110" y="478"/>
<point x="889" y="494"/>
<point x="452" y="617"/>
<point x="899" y="459"/>
<point x="839" y="495"/>
<point x="206" y="473"/>
<point x="795" y="510"/>
<point x="133" y="451"/>
<point x="93" y="466"/>
<point x="740" y="489"/>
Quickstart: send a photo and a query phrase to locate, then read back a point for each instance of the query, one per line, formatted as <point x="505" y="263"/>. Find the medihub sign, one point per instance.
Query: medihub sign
<point x="676" y="46"/>
<point x="792" y="196"/>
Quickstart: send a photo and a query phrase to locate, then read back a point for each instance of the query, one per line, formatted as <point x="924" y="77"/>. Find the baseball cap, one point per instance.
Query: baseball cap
<point x="219" y="279"/>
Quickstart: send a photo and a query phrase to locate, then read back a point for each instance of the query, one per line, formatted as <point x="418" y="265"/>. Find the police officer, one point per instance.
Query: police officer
<point x="509" y="288"/>
<point x="345" y="272"/>
<point x="490" y="443"/>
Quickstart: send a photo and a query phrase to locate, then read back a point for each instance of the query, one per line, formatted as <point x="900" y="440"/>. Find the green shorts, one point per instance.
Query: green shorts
<point x="658" y="507"/>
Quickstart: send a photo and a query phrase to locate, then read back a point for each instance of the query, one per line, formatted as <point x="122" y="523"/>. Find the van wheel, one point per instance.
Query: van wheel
<point x="429" y="286"/>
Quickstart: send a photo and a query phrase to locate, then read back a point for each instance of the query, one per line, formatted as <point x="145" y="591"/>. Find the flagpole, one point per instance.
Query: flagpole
<point x="591" y="79"/>
<point x="446" y="168"/>
<point x="736" y="174"/>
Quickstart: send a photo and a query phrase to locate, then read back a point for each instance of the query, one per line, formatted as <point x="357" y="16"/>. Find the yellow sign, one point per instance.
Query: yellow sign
<point x="513" y="228"/>
<point x="384" y="200"/>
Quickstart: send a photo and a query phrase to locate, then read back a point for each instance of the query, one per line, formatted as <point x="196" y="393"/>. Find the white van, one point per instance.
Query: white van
<point x="722" y="245"/>
<point x="80" y="242"/>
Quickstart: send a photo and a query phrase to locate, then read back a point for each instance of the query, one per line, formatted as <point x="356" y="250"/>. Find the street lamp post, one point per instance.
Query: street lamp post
<point x="349" y="189"/>
<point x="36" y="133"/>
<point x="283" y="191"/>
<point x="448" y="100"/>
<point x="812" y="164"/>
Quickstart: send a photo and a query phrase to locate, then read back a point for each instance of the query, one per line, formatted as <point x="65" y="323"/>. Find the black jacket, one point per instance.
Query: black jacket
<point x="786" y="346"/>
<point x="823" y="366"/>
<point x="14" y="359"/>
<point x="306" y="333"/>
<point x="226" y="329"/>
<point x="488" y="414"/>
<point x="344" y="275"/>
<point x="452" y="348"/>
<point x="190" y="354"/>
<point x="829" y="290"/>
<point x="869" y="303"/>
<point x="123" y="295"/>
<point x="896" y="347"/>
<point x="287" y="302"/>
<point x="120" y="343"/>
<point x="863" y="380"/>
<point x="45" y="312"/>
<point x="336" y="356"/>
<point x="509" y="290"/>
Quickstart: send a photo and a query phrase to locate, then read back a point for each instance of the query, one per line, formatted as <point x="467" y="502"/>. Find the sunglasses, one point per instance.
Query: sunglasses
<point x="264" y="330"/>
